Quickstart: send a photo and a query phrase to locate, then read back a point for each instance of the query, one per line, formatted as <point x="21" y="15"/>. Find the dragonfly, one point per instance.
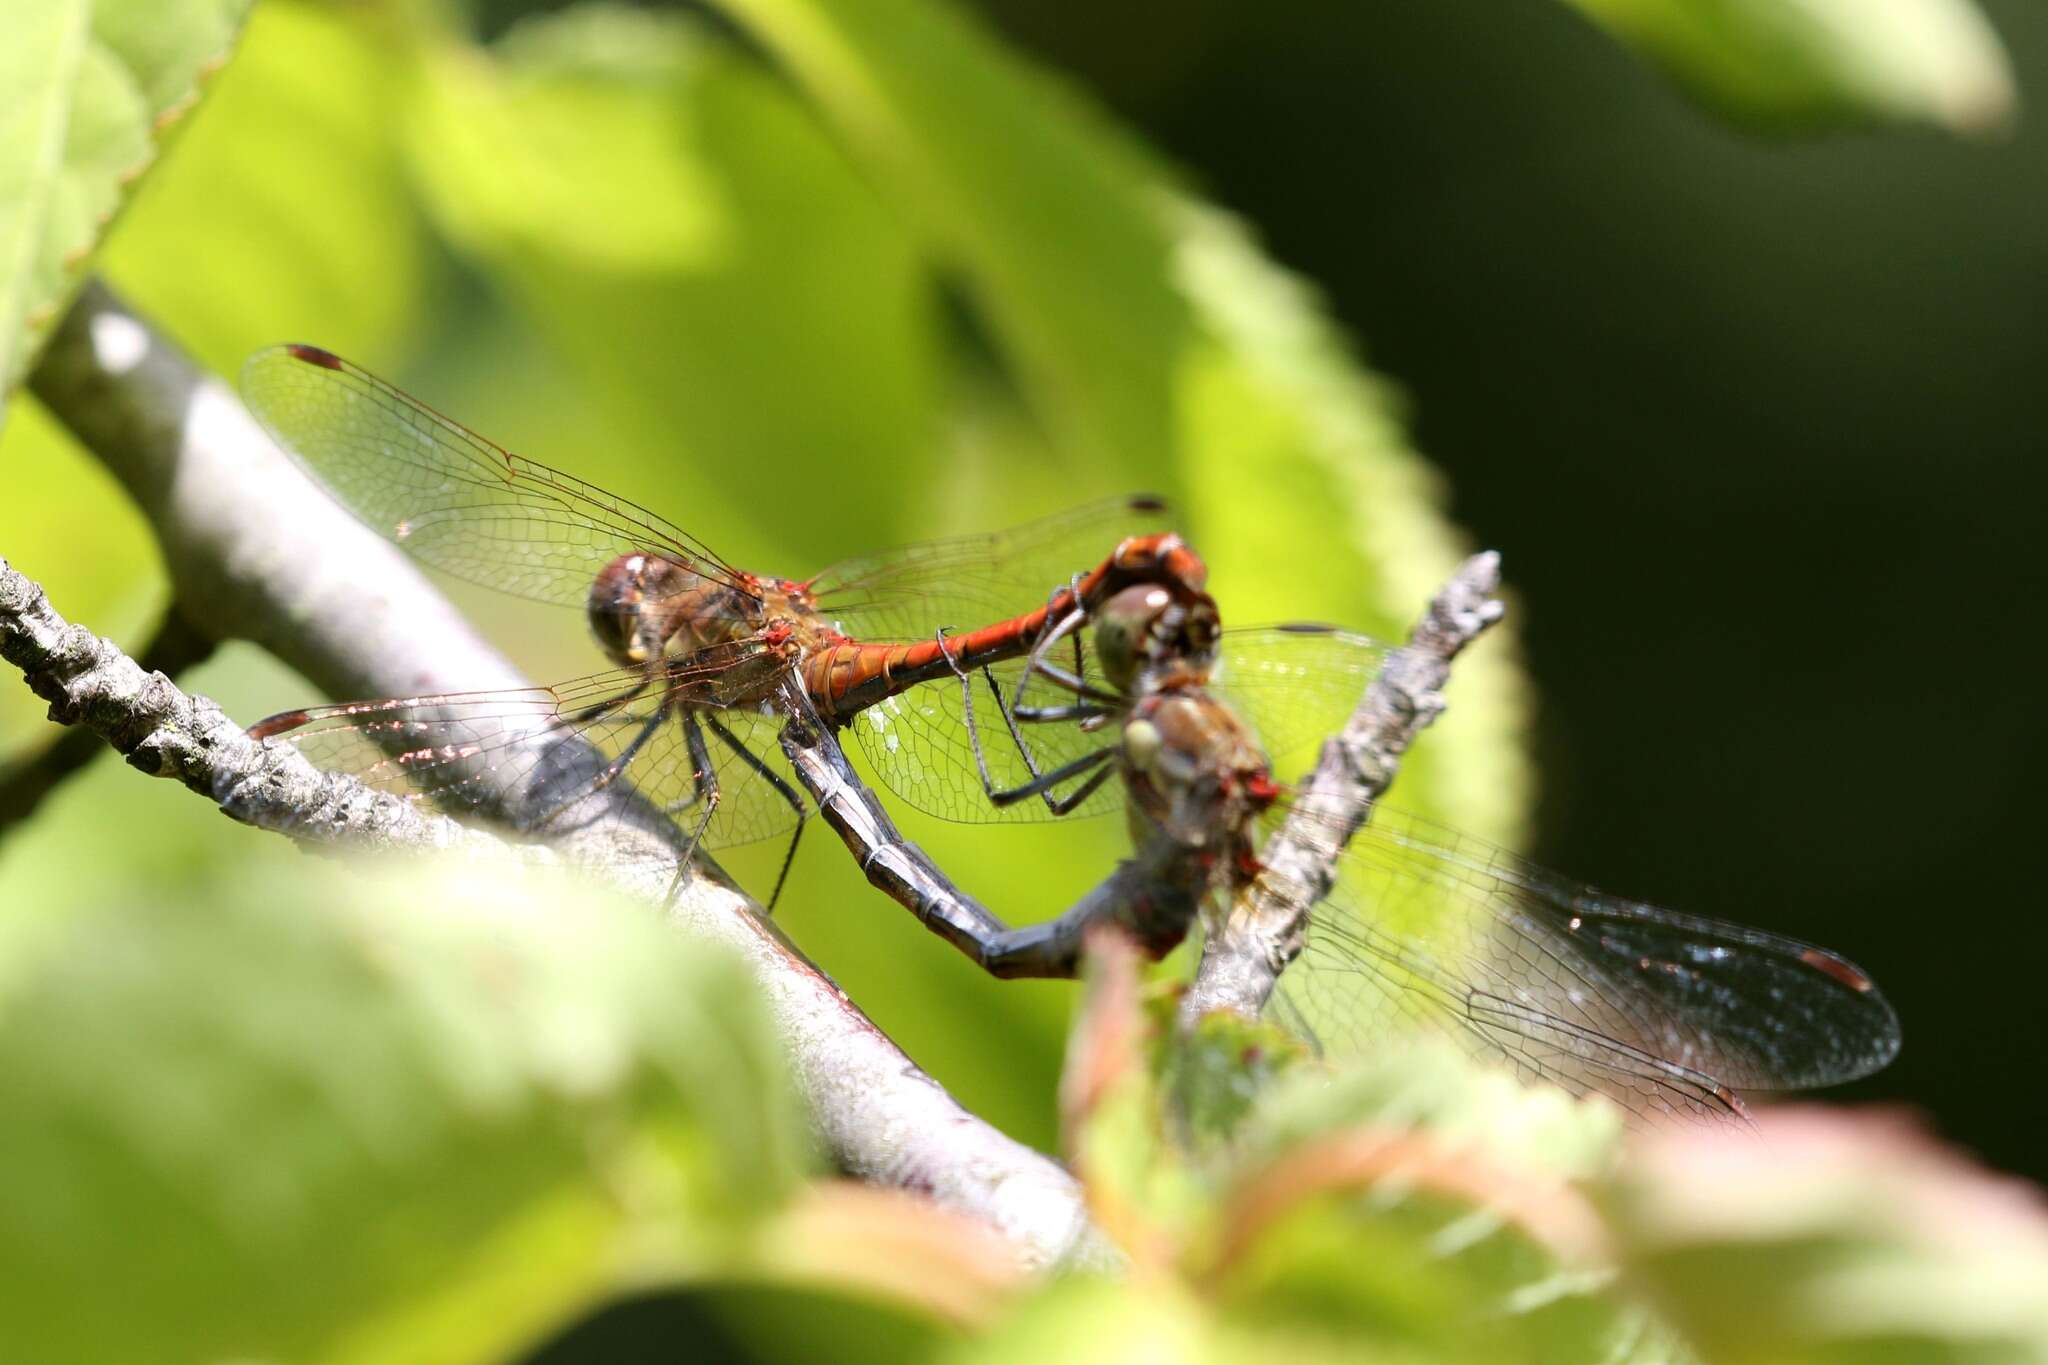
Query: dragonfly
<point x="1420" y="928"/>
<point x="708" y="661"/>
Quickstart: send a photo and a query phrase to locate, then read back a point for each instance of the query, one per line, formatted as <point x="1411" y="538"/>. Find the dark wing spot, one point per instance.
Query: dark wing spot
<point x="1821" y="960"/>
<point x="313" y="355"/>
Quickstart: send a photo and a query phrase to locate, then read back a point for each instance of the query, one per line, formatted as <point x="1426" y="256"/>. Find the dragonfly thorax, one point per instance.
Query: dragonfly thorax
<point x="1193" y="770"/>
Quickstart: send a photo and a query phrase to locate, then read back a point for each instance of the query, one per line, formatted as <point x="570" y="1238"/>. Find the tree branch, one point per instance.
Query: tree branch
<point x="257" y="552"/>
<point x="1268" y="925"/>
<point x="176" y="647"/>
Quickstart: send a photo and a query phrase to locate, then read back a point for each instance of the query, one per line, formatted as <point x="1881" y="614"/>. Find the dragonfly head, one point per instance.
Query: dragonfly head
<point x="1148" y="637"/>
<point x="626" y="606"/>
<point x="1193" y="769"/>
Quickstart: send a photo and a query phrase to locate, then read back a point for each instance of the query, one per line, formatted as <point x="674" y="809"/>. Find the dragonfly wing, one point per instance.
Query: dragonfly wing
<point x="1295" y="685"/>
<point x="453" y="499"/>
<point x="966" y="582"/>
<point x="1659" y="1011"/>
<point x="921" y="747"/>
<point x="540" y="753"/>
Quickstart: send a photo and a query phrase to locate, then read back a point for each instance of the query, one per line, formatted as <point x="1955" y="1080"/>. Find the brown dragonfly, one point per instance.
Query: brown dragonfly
<point x="708" y="660"/>
<point x="1412" y="927"/>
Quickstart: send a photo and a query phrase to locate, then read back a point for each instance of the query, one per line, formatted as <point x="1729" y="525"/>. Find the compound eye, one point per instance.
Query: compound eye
<point x="1142" y="743"/>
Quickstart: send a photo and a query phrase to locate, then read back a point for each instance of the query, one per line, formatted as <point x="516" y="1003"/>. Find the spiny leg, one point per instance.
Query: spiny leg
<point x="704" y="788"/>
<point x="610" y="704"/>
<point x="967" y="711"/>
<point x="1041" y="783"/>
<point x="1093" y="762"/>
<point x="781" y="788"/>
<point x="608" y="774"/>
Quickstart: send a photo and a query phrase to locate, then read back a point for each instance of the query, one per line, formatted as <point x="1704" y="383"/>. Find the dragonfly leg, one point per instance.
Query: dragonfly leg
<point x="703" y="777"/>
<point x="596" y="782"/>
<point x="1094" y="762"/>
<point x="610" y="704"/>
<point x="1041" y="784"/>
<point x="1153" y="896"/>
<point x="890" y="862"/>
<point x="704" y="784"/>
<point x="967" y="711"/>
<point x="781" y="788"/>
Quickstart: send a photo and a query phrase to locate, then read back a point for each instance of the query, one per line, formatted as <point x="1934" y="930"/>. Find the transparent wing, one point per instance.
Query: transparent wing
<point x="971" y="581"/>
<point x="1662" y="1012"/>
<point x="921" y="747"/>
<point x="541" y="751"/>
<point x="1295" y="685"/>
<point x="451" y="498"/>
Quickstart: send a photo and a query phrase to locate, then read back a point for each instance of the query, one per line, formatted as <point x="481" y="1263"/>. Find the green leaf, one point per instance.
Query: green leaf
<point x="1817" y="61"/>
<point x="1043" y="212"/>
<point x="87" y="91"/>
<point x="1828" y="1236"/>
<point x="415" y="1118"/>
<point x="287" y="215"/>
<point x="1421" y="1204"/>
<point x="1216" y="1073"/>
<point x="696" y="251"/>
<point x="1311" y="505"/>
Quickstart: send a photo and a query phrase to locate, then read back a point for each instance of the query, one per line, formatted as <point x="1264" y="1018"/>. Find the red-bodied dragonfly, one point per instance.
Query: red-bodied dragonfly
<point x="1420" y="927"/>
<point x="709" y="660"/>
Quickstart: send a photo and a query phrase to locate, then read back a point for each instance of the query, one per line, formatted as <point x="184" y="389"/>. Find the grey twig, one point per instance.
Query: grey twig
<point x="1267" y="926"/>
<point x="257" y="552"/>
<point x="176" y="647"/>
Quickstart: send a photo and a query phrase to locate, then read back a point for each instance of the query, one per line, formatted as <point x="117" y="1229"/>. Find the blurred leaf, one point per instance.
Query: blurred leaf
<point x="1217" y="1072"/>
<point x="1423" y="1205"/>
<point x="1116" y="1129"/>
<point x="417" y="1123"/>
<point x="697" y="253"/>
<point x="287" y="215"/>
<point x="1826" y="1236"/>
<point x="1145" y="325"/>
<point x="1437" y="1086"/>
<point x="1043" y="210"/>
<point x="1079" y="1320"/>
<point x="1312" y="506"/>
<point x="1806" y="61"/>
<point x="87" y="90"/>
<point x="896" y="1246"/>
<point x="99" y="559"/>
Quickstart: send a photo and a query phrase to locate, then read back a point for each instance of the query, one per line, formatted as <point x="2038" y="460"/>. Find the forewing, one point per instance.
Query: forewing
<point x="922" y="749"/>
<point x="965" y="582"/>
<point x="1661" y="1012"/>
<point x="534" y="756"/>
<point x="451" y="498"/>
<point x="1295" y="685"/>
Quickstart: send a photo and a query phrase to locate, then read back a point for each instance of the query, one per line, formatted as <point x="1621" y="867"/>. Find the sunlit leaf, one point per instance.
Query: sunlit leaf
<point x="1311" y="505"/>
<point x="1837" y="1237"/>
<point x="699" y="255"/>
<point x="417" y="1121"/>
<point x="1420" y="1203"/>
<point x="286" y="215"/>
<point x="1806" y="61"/>
<point x="1044" y="213"/>
<point x="87" y="92"/>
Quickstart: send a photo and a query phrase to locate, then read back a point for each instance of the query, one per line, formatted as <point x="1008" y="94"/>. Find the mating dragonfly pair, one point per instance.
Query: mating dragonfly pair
<point x="1117" y="687"/>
